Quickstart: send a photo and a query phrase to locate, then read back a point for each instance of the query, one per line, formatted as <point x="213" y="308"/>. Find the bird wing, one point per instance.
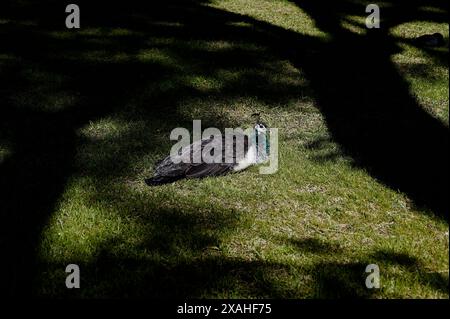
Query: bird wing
<point x="208" y="169"/>
<point x="196" y="170"/>
<point x="189" y="169"/>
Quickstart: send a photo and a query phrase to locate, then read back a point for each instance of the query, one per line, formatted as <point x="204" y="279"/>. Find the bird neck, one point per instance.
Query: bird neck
<point x="260" y="143"/>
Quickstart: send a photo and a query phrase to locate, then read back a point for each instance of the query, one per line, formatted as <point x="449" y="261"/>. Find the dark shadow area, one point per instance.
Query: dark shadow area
<point x="325" y="150"/>
<point x="436" y="280"/>
<point x="152" y="279"/>
<point x="347" y="280"/>
<point x="40" y="64"/>
<point x="115" y="273"/>
<point x="341" y="281"/>
<point x="367" y="105"/>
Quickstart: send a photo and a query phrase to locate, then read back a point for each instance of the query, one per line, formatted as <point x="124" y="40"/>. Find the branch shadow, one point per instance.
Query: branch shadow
<point x="368" y="106"/>
<point x="368" y="109"/>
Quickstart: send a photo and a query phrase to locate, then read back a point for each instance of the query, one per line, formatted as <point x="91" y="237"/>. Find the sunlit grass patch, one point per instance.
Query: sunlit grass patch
<point x="279" y="12"/>
<point x="414" y="29"/>
<point x="355" y="24"/>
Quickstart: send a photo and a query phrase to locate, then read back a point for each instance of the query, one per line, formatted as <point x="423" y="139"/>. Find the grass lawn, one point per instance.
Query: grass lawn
<point x="87" y="113"/>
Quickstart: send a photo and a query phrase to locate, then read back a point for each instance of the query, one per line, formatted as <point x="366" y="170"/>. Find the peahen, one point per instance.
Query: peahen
<point x="244" y="150"/>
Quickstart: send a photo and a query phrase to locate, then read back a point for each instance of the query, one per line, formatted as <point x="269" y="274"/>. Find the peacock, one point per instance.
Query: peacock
<point x="246" y="148"/>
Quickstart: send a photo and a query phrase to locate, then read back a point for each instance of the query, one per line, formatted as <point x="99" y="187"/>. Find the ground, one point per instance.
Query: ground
<point x="362" y="125"/>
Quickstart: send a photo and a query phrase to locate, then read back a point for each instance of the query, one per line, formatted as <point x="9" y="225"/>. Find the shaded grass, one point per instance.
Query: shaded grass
<point x="306" y="232"/>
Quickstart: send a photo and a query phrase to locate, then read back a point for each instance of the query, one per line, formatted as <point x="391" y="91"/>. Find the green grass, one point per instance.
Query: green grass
<point x="307" y="231"/>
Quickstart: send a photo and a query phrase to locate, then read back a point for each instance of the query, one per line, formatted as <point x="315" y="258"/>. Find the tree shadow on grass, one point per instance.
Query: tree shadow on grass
<point x="59" y="81"/>
<point x="119" y="277"/>
<point x="315" y="246"/>
<point x="179" y="256"/>
<point x="436" y="280"/>
<point x="367" y="105"/>
<point x="339" y="280"/>
<point x="43" y="141"/>
<point x="114" y="273"/>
